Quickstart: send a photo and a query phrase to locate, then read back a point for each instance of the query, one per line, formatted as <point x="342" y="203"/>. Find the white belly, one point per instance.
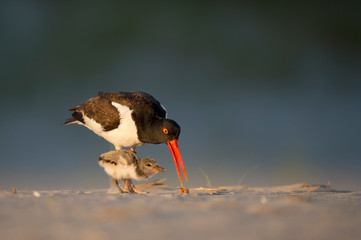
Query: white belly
<point x="121" y="172"/>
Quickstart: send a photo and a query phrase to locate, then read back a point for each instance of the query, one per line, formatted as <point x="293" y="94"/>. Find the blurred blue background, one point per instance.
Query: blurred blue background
<point x="266" y="94"/>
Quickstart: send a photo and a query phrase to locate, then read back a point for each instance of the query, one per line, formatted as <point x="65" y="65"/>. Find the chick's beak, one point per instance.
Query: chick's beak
<point x="173" y="148"/>
<point x="159" y="169"/>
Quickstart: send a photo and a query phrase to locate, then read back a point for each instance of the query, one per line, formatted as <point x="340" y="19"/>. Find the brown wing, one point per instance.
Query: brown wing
<point x="102" y="111"/>
<point x="98" y="109"/>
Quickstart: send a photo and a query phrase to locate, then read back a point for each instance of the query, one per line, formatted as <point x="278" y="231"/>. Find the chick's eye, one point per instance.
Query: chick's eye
<point x="148" y="165"/>
<point x="165" y="130"/>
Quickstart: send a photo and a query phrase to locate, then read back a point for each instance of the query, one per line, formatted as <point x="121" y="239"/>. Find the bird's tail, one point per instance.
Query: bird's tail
<point x="77" y="117"/>
<point x="70" y="121"/>
<point x="102" y="161"/>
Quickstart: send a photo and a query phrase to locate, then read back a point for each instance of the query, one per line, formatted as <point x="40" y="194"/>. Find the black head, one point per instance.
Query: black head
<point x="161" y="131"/>
<point x="149" y="167"/>
<point x="170" y="130"/>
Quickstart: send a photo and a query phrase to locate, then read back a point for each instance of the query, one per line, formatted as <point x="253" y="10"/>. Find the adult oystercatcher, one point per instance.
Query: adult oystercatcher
<point x="129" y="119"/>
<point x="124" y="165"/>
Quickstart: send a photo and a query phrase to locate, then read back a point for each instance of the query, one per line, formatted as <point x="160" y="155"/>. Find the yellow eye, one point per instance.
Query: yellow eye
<point x="165" y="130"/>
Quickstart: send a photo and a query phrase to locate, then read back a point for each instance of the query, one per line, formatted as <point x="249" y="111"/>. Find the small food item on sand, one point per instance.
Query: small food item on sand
<point x="183" y="190"/>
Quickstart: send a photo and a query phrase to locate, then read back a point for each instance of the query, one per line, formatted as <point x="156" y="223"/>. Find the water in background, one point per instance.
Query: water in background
<point x="265" y="94"/>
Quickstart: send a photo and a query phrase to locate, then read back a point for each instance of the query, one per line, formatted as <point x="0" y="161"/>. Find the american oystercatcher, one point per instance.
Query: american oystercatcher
<point x="129" y="119"/>
<point x="124" y="165"/>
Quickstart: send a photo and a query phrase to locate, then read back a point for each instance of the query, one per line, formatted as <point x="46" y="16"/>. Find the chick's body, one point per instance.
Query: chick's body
<point x="125" y="165"/>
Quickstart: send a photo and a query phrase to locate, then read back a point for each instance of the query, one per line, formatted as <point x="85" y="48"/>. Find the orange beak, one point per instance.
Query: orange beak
<point x="173" y="148"/>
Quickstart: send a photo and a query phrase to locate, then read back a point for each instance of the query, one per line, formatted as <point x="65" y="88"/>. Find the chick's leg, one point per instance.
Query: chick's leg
<point x="127" y="187"/>
<point x="115" y="182"/>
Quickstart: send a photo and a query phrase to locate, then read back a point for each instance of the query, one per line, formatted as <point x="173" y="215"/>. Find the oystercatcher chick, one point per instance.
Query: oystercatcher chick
<point x="129" y="119"/>
<point x="124" y="165"/>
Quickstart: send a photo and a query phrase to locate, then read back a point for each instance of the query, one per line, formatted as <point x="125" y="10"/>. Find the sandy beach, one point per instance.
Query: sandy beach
<point x="297" y="211"/>
<point x="264" y="99"/>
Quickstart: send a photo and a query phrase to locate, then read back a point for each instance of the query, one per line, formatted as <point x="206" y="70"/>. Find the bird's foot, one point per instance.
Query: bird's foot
<point x="138" y="191"/>
<point x="135" y="190"/>
<point x="130" y="186"/>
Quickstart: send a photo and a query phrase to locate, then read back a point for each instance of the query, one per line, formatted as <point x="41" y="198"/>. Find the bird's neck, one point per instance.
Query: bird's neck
<point x="150" y="133"/>
<point x="140" y="173"/>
